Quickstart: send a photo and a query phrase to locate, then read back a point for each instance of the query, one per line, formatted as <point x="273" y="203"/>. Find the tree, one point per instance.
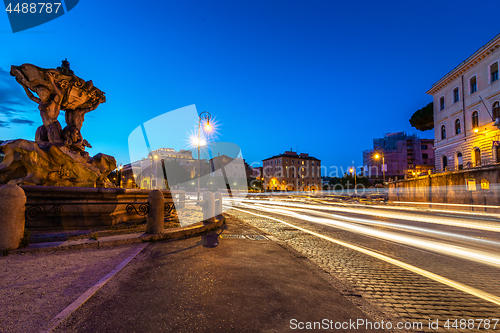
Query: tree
<point x="423" y="119"/>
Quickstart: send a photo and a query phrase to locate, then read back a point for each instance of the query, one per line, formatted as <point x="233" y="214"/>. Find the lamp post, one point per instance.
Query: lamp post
<point x="353" y="171"/>
<point x="155" y="170"/>
<point x="206" y="116"/>
<point x="119" y="176"/>
<point x="377" y="156"/>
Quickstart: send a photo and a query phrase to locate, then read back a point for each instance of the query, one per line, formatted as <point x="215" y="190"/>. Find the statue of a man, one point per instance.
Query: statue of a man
<point x="74" y="121"/>
<point x="50" y="106"/>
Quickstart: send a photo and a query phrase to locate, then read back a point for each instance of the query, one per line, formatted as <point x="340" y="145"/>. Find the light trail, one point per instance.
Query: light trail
<point x="457" y="285"/>
<point x="398" y="226"/>
<point x="453" y="250"/>
<point x="456" y="222"/>
<point x="325" y="201"/>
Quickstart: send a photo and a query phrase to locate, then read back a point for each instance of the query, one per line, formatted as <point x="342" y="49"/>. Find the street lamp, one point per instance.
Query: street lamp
<point x="119" y="176"/>
<point x="353" y="171"/>
<point x="206" y="116"/>
<point x="377" y="156"/>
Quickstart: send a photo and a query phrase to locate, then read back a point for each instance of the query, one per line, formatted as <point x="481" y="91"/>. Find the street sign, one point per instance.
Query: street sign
<point x="496" y="143"/>
<point x="485" y="184"/>
<point x="470" y="184"/>
<point x="384" y="167"/>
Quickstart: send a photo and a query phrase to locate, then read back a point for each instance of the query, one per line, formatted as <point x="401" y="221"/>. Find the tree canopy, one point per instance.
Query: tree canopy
<point x="423" y="119"/>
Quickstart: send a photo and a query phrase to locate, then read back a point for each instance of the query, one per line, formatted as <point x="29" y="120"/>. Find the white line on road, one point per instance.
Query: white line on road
<point x="86" y="295"/>
<point x="462" y="287"/>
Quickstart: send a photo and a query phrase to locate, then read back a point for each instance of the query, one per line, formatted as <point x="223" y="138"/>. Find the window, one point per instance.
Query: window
<point x="443" y="132"/>
<point x="441" y="103"/>
<point x="473" y="84"/>
<point x="445" y="162"/>
<point x="460" y="165"/>
<point x="497" y="150"/>
<point x="424" y="156"/>
<point x="424" y="147"/>
<point x="456" y="95"/>
<point x="477" y="157"/>
<point x="494" y="72"/>
<point x="475" y="119"/>
<point x="496" y="110"/>
<point x="457" y="126"/>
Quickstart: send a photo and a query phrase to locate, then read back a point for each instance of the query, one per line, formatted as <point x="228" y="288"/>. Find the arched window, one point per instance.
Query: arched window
<point x="496" y="110"/>
<point x="475" y="119"/>
<point x="457" y="126"/>
<point x="445" y="162"/>
<point x="443" y="132"/>
<point x="477" y="156"/>
<point x="460" y="163"/>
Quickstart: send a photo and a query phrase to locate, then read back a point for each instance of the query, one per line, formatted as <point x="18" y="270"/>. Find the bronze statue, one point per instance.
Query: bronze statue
<point x="58" y="156"/>
<point x="59" y="89"/>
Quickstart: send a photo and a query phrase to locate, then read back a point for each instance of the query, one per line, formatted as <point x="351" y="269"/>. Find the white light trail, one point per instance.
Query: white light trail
<point x="398" y="226"/>
<point x="456" y="222"/>
<point x="453" y="250"/>
<point x="457" y="285"/>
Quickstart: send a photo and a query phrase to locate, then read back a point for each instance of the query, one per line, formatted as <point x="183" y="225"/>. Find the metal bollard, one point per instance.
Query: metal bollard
<point x="12" y="208"/>
<point x="155" y="218"/>
<point x="218" y="203"/>
<point x="208" y="207"/>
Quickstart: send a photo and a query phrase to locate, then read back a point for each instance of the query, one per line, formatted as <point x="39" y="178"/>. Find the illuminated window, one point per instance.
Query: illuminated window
<point x="457" y="126"/>
<point x="475" y="119"/>
<point x="473" y="84"/>
<point x="494" y="72"/>
<point x="477" y="157"/>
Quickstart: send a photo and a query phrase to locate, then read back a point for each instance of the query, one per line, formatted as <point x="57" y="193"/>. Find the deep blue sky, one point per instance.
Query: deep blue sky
<point x="325" y="77"/>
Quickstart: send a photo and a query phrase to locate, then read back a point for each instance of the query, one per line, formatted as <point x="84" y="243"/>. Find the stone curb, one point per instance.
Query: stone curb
<point x="172" y="233"/>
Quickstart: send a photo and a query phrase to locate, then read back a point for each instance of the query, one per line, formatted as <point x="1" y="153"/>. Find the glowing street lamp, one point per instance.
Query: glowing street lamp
<point x="119" y="175"/>
<point x="353" y="171"/>
<point x="377" y="156"/>
<point x="206" y="116"/>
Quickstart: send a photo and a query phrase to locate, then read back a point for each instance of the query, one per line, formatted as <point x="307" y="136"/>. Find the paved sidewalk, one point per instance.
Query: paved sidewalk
<point x="242" y="281"/>
<point x="245" y="283"/>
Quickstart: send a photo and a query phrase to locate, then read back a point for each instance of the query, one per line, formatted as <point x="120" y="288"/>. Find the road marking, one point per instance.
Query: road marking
<point x="462" y="287"/>
<point x="54" y="322"/>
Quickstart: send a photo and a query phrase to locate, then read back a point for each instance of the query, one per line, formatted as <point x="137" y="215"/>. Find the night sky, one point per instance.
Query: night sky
<point x="323" y="77"/>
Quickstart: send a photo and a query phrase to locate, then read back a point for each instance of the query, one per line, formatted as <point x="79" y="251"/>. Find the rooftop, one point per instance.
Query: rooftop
<point x="293" y="154"/>
<point x="463" y="63"/>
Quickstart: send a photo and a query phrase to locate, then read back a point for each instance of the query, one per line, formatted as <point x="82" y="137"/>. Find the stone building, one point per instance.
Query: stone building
<point x="404" y="156"/>
<point x="467" y="112"/>
<point x="292" y="172"/>
<point x="149" y="170"/>
<point x="234" y="168"/>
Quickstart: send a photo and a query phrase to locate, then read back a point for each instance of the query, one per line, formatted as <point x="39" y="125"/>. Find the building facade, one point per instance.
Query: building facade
<point x="467" y="112"/>
<point x="404" y="156"/>
<point x="149" y="173"/>
<point x="292" y="172"/>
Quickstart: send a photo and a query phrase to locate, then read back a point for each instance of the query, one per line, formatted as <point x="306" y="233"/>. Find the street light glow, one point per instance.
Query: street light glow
<point x="377" y="156"/>
<point x="195" y="142"/>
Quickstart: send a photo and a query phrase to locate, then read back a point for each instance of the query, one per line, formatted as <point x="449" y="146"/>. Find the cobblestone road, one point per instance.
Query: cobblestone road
<point x="397" y="291"/>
